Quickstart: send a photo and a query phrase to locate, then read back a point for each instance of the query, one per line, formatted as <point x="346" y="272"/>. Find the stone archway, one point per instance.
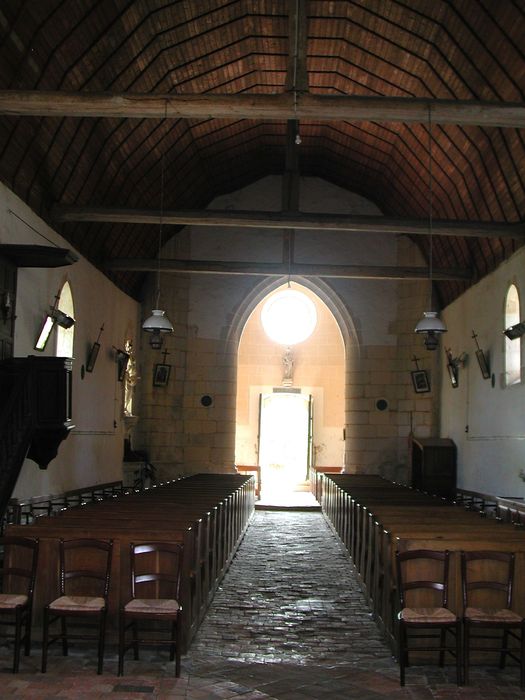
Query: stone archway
<point x="320" y="367"/>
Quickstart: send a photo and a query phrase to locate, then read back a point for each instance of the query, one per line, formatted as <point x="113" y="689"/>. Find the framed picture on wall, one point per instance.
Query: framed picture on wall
<point x="161" y="375"/>
<point x="420" y="381"/>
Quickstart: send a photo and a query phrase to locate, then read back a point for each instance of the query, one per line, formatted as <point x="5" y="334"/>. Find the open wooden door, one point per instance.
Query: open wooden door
<point x="284" y="440"/>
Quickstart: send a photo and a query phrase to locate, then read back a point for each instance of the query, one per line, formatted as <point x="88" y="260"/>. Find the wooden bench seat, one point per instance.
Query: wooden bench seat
<point x="208" y="514"/>
<point x="374" y="518"/>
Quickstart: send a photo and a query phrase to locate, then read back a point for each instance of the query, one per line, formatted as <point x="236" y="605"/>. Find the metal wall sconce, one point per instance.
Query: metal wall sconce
<point x="55" y="316"/>
<point x="45" y="332"/>
<point x="6" y="306"/>
<point x="516" y="331"/>
<point x="62" y="319"/>
<point x="453" y="365"/>
<point x="122" y="359"/>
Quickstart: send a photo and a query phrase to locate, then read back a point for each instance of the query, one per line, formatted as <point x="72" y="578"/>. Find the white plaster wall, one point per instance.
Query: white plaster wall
<point x="486" y="422"/>
<point x="93" y="451"/>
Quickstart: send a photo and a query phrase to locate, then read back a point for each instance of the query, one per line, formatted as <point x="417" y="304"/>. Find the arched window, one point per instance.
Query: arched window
<point x="65" y="336"/>
<point x="512" y="347"/>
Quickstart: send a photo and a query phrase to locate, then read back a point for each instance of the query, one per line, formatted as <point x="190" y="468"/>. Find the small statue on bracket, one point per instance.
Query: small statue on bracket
<point x="131" y="378"/>
<point x="288" y="367"/>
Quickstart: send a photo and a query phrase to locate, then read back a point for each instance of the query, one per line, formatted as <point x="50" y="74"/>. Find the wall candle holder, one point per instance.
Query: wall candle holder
<point x="453" y="365"/>
<point x="122" y="359"/>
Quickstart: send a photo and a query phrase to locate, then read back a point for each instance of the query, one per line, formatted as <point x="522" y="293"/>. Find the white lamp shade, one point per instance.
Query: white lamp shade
<point x="158" y="321"/>
<point x="430" y="323"/>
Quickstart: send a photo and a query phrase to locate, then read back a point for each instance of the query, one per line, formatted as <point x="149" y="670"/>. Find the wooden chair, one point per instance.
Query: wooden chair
<point x="487" y="583"/>
<point x="422" y="574"/>
<point x="85" y="567"/>
<point x="18" y="573"/>
<point x="156" y="569"/>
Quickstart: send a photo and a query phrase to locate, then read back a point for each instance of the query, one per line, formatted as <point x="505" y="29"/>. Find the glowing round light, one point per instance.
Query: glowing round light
<point x="289" y="317"/>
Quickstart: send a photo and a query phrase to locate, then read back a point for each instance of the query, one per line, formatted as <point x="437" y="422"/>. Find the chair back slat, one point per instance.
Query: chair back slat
<point x="85" y="564"/>
<point x="410" y="565"/>
<point x="156" y="563"/>
<point x="489" y="574"/>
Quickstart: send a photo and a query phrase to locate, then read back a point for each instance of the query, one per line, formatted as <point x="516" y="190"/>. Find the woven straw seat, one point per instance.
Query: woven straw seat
<point x="19" y="568"/>
<point x="156" y="570"/>
<point x="487" y="579"/>
<point x="85" y="567"/>
<point x="422" y="575"/>
<point x="427" y="615"/>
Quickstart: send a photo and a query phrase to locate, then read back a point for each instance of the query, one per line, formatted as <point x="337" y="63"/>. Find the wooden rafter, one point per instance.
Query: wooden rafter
<point x="262" y="107"/>
<point x="293" y="220"/>
<point x="216" y="267"/>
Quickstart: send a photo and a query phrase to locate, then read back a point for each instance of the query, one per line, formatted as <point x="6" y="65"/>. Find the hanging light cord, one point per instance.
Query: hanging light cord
<point x="161" y="212"/>
<point x="297" y="136"/>
<point x="430" y="201"/>
<point x="160" y="229"/>
<point x="296" y="49"/>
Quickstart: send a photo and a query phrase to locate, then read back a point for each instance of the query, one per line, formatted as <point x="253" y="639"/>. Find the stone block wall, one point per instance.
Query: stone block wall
<point x="376" y="319"/>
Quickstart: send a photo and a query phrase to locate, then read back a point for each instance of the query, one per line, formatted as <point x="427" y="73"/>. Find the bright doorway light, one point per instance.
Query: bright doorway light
<point x="283" y="443"/>
<point x="289" y="317"/>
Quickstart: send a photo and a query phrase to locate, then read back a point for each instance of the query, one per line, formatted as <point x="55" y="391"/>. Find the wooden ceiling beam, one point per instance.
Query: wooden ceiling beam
<point x="216" y="267"/>
<point x="292" y="105"/>
<point x="290" y="220"/>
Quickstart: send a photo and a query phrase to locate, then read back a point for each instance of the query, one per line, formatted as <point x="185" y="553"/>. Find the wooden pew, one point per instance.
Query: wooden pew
<point x="316" y="479"/>
<point x="375" y="518"/>
<point x="256" y="471"/>
<point x="207" y="513"/>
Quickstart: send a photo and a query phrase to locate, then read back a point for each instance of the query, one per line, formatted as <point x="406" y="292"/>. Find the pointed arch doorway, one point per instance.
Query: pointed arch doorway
<point x="277" y="387"/>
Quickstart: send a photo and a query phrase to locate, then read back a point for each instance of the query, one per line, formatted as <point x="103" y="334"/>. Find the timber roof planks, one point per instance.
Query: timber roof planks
<point x="437" y="52"/>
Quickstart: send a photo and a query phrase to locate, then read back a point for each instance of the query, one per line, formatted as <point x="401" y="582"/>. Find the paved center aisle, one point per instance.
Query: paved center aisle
<point x="291" y="596"/>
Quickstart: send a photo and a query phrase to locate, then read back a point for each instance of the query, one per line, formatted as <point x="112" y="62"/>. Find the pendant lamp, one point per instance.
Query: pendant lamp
<point x="430" y="325"/>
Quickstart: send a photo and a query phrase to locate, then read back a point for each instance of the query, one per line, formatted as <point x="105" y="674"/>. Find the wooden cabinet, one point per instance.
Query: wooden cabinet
<point x="433" y="466"/>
